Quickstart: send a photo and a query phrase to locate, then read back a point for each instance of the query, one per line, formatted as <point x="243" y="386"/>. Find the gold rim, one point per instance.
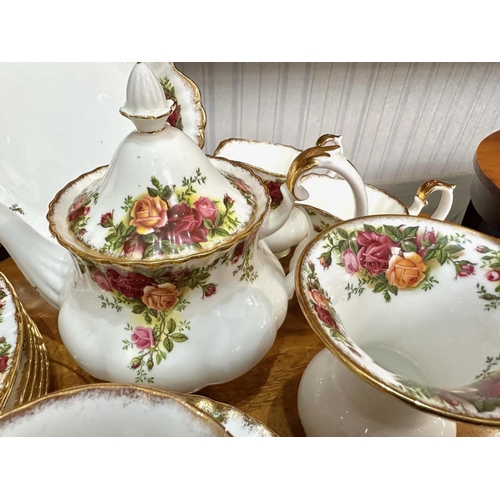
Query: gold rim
<point x="323" y="140"/>
<point x="224" y="410"/>
<point x="350" y="363"/>
<point x="11" y="377"/>
<point x="250" y="165"/>
<point x="119" y="389"/>
<point x="198" y="105"/>
<point x="106" y="260"/>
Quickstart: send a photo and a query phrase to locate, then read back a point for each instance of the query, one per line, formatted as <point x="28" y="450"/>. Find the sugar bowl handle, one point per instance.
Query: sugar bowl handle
<point x="425" y="190"/>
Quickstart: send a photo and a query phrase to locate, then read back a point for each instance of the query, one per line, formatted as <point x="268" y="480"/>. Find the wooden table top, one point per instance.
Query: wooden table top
<point x="487" y="161"/>
<point x="268" y="392"/>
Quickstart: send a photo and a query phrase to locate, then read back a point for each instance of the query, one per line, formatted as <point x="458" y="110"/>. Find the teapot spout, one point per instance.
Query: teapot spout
<point x="45" y="264"/>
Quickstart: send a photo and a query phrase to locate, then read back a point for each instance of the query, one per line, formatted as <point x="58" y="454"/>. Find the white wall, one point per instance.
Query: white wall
<point x="400" y="121"/>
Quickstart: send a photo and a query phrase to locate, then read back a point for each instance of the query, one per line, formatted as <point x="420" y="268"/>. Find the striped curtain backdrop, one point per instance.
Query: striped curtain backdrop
<point x="399" y="121"/>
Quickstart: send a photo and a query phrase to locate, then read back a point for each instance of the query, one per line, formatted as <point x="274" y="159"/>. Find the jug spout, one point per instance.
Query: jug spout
<point x="44" y="263"/>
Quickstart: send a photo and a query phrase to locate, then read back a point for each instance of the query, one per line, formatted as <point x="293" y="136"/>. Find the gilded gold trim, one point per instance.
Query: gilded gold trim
<point x="107" y="260"/>
<point x="110" y="388"/>
<point x="305" y="161"/>
<point x="427" y="188"/>
<point x="198" y="105"/>
<point x="323" y="140"/>
<point x="148" y="117"/>
<point x="222" y="413"/>
<point x="251" y="165"/>
<point x="11" y="376"/>
<point x="351" y="362"/>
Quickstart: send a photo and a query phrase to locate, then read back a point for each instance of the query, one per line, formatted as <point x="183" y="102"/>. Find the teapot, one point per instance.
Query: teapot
<point x="166" y="278"/>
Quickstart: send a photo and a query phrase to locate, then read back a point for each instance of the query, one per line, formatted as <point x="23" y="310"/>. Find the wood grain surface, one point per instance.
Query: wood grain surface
<point x="268" y="392"/>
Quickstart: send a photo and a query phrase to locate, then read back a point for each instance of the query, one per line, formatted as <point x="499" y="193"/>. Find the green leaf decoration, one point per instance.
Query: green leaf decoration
<point x="179" y="337"/>
<point x="452" y="249"/>
<point x="409" y="246"/>
<point x="430" y="254"/>
<point x="343" y="233"/>
<point x="138" y="309"/>
<point x="221" y="232"/>
<point x="380" y="287"/>
<point x="369" y="227"/>
<point x="353" y="246"/>
<point x="171" y="325"/>
<point x="409" y="233"/>
<point x="168" y="344"/>
<point x="393" y="232"/>
<point x="343" y="245"/>
<point x="441" y="256"/>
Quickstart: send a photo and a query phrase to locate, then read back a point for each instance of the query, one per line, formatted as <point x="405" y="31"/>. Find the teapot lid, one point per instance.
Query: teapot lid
<point x="160" y="197"/>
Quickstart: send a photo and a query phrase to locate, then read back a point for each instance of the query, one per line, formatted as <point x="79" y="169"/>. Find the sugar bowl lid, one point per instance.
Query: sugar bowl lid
<point x="160" y="197"/>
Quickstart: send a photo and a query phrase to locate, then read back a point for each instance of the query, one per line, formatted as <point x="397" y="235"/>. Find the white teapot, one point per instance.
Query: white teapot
<point x="172" y="284"/>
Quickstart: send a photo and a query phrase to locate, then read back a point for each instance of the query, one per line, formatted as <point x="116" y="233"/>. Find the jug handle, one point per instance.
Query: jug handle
<point x="319" y="159"/>
<point x="425" y="190"/>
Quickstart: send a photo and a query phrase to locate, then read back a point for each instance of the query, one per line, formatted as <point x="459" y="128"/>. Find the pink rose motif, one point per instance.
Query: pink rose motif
<point x="102" y="281"/>
<point x="184" y="225"/>
<point x="493" y="275"/>
<point x="375" y="251"/>
<point x="142" y="337"/>
<point x="325" y="260"/>
<point x="3" y="363"/>
<point x="482" y="249"/>
<point x="488" y="387"/>
<point x="325" y="316"/>
<point x="130" y="284"/>
<point x="206" y="208"/>
<point x="350" y="261"/>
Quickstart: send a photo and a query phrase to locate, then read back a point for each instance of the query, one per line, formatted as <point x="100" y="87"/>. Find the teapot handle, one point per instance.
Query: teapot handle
<point x="425" y="190"/>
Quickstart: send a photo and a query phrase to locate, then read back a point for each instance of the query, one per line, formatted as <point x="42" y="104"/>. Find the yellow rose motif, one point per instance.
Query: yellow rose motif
<point x="148" y="213"/>
<point x="161" y="297"/>
<point x="406" y="271"/>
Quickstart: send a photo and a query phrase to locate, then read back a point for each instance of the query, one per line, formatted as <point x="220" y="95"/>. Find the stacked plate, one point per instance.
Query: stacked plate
<point x="101" y="410"/>
<point x="23" y="356"/>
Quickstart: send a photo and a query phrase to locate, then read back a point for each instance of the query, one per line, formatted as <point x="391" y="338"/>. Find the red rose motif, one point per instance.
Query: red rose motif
<point x="131" y="284"/>
<point x="174" y="116"/>
<point x="237" y="253"/>
<point x="488" y="387"/>
<point x="3" y="363"/>
<point x="274" y="190"/>
<point x="350" y="261"/>
<point x="134" y="245"/>
<point x="493" y="275"/>
<point x="375" y="251"/>
<point x="209" y="290"/>
<point x="325" y="316"/>
<point x="79" y="212"/>
<point x="184" y="225"/>
<point x="107" y="219"/>
<point x="142" y="337"/>
<point x="206" y="208"/>
<point x="466" y="269"/>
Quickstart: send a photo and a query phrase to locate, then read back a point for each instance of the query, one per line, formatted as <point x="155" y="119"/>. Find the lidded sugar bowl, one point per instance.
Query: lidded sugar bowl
<point x="171" y="286"/>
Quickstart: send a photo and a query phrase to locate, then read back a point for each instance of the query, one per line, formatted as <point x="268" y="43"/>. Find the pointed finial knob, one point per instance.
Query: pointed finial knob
<point x="146" y="103"/>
